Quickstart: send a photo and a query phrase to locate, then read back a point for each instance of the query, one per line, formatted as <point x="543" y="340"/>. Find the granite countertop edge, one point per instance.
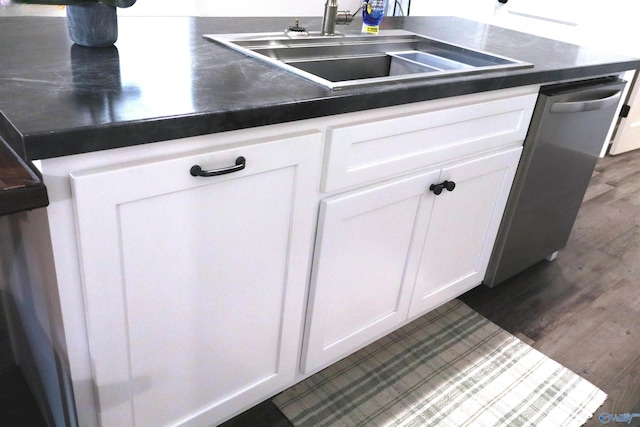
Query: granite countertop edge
<point x="102" y="137"/>
<point x="32" y="144"/>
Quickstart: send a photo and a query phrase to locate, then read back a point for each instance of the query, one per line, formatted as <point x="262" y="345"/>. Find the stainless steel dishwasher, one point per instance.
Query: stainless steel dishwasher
<point x="567" y="131"/>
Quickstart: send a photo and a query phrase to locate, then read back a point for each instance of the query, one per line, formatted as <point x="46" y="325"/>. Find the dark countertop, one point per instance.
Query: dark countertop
<point x="20" y="186"/>
<point x="164" y="81"/>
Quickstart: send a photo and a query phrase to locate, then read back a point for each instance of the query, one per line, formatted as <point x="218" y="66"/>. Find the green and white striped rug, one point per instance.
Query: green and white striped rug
<point x="450" y="368"/>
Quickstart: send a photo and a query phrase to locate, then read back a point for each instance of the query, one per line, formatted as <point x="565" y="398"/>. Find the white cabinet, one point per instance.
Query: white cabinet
<point x="195" y="286"/>
<point x="395" y="251"/>
<point x="186" y="300"/>
<point x="358" y="288"/>
<point x="462" y="229"/>
<point x="391" y="251"/>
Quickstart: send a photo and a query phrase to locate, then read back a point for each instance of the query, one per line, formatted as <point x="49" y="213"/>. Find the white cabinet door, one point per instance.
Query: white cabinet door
<point x="358" y="289"/>
<point x="394" y="251"/>
<point x="627" y="135"/>
<point x="462" y="230"/>
<point x="195" y="287"/>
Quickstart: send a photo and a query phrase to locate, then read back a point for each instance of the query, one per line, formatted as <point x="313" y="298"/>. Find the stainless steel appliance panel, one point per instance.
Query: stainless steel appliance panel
<point x="568" y="128"/>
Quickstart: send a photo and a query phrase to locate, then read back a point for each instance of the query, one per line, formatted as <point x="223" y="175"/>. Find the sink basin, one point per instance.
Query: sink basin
<point x="350" y="60"/>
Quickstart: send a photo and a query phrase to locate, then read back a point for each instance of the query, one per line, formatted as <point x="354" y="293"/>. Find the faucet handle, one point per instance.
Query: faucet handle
<point x="344" y="17"/>
<point x="297" y="28"/>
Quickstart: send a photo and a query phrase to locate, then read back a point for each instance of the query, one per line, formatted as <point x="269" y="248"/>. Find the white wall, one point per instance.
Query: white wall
<point x="11" y="9"/>
<point x="293" y="8"/>
<point x="268" y="8"/>
<point x="611" y="25"/>
<point x="481" y="10"/>
<point x="161" y="8"/>
<point x="197" y="8"/>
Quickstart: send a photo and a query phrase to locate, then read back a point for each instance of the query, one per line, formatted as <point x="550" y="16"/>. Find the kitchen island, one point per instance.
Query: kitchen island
<point x="150" y="296"/>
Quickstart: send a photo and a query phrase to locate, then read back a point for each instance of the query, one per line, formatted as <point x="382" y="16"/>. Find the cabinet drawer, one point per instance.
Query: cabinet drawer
<point x="367" y="151"/>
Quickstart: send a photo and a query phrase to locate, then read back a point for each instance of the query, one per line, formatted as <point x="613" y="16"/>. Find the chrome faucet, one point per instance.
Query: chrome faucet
<point x="332" y="17"/>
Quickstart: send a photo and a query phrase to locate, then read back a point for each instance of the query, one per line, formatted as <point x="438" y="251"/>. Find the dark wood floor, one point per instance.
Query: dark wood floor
<point x="583" y="309"/>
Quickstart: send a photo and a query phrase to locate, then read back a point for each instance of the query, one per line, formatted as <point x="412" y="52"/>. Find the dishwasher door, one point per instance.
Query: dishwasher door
<point x="567" y="132"/>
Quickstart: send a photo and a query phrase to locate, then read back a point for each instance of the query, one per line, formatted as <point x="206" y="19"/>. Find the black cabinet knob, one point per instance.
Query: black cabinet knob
<point x="436" y="188"/>
<point x="502" y="1"/>
<point x="445" y="185"/>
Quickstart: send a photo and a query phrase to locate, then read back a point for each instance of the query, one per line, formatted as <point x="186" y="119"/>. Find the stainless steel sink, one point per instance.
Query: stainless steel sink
<point x="364" y="59"/>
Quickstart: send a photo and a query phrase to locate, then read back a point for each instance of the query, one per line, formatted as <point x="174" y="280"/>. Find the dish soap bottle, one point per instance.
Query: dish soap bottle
<point x="372" y="14"/>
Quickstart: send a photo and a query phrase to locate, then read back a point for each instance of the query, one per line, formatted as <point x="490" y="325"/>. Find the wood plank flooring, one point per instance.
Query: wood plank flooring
<point x="583" y="309"/>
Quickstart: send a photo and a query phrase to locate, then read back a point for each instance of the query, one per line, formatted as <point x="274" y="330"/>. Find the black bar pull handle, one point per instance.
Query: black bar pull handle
<point x="241" y="163"/>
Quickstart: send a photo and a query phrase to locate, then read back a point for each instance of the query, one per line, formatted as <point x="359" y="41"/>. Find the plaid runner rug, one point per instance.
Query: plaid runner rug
<point x="449" y="368"/>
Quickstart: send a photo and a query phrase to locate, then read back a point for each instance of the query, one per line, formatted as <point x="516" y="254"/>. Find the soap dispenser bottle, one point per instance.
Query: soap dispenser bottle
<point x="372" y="14"/>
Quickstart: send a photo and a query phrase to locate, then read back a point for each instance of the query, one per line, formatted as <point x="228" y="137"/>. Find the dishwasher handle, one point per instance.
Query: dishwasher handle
<point x="586" y="105"/>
